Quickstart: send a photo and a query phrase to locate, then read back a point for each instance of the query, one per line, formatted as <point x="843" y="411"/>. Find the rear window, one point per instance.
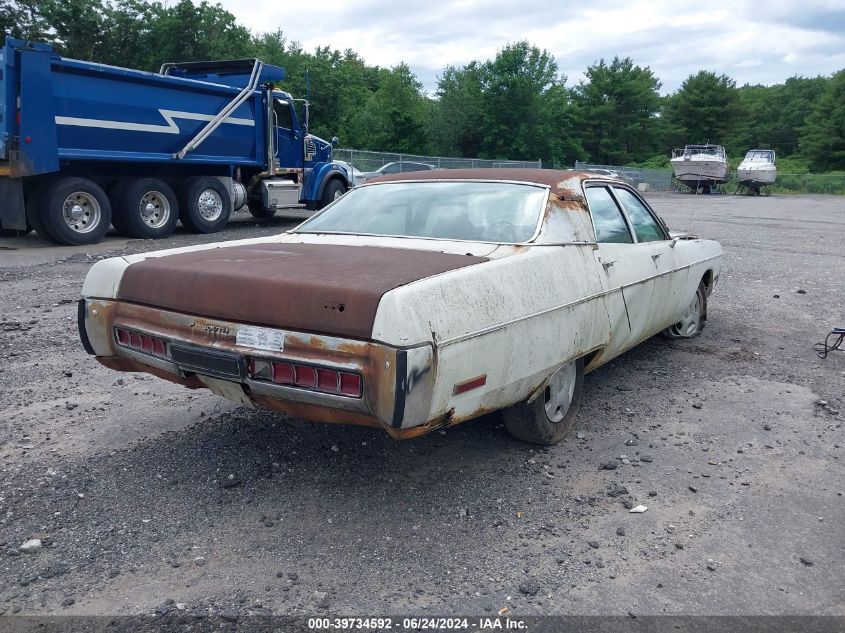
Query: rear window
<point x="453" y="210"/>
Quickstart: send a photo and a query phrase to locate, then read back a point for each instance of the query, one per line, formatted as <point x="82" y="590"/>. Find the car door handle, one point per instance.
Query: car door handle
<point x="608" y="264"/>
<point x="656" y="255"/>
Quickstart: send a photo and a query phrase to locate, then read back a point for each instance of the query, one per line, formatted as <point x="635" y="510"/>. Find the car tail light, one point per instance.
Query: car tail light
<point x="321" y="379"/>
<point x="152" y="345"/>
<point x="305" y="376"/>
<point x="350" y="385"/>
<point x="283" y="373"/>
<point x="327" y="380"/>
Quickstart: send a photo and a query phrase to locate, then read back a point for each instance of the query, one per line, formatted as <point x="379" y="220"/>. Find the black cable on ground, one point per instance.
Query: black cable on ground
<point x="832" y="343"/>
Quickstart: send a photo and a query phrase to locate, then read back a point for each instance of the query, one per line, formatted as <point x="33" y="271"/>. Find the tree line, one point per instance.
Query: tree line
<point x="517" y="105"/>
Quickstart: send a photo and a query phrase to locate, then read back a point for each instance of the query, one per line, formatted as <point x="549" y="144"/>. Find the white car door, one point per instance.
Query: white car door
<point x="667" y="300"/>
<point x="636" y="274"/>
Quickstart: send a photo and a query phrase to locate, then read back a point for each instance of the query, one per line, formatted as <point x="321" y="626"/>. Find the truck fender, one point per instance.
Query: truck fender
<point x="320" y="175"/>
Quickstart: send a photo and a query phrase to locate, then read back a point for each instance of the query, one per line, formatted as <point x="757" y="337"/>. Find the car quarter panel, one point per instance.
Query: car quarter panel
<point x="698" y="256"/>
<point x="512" y="320"/>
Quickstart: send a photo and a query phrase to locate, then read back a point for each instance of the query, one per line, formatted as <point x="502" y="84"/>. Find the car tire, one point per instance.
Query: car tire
<point x="548" y="418"/>
<point x="204" y="204"/>
<point x="333" y="190"/>
<point x="75" y="211"/>
<point x="145" y="208"/>
<point x="257" y="209"/>
<point x="694" y="319"/>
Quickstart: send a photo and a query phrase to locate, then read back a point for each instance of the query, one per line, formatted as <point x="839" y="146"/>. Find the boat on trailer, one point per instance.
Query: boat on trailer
<point x="700" y="166"/>
<point x="757" y="169"/>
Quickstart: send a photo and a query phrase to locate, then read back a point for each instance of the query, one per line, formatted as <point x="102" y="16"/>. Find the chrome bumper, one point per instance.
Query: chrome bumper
<point x="397" y="382"/>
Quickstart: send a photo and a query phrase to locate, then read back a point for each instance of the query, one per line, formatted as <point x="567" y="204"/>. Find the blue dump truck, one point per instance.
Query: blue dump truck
<point x="84" y="146"/>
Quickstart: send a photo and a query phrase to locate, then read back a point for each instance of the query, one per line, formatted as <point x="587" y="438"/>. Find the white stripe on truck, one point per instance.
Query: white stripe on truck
<point x="169" y="116"/>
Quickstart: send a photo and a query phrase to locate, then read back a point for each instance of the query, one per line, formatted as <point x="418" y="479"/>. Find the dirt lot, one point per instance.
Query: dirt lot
<point x="149" y="497"/>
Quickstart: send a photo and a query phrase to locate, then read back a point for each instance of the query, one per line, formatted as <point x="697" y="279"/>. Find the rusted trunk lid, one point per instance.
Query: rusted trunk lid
<point x="331" y="289"/>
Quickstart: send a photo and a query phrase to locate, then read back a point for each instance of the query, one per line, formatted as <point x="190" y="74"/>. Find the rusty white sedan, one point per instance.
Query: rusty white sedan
<point x="414" y="302"/>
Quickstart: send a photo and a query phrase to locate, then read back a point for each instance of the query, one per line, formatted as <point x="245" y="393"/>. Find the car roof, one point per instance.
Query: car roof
<point x="564" y="183"/>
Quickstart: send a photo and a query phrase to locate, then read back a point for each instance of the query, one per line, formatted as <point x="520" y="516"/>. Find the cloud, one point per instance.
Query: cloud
<point x="750" y="40"/>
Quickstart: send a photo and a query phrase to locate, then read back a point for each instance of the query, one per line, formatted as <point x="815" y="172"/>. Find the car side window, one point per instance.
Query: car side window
<point x="645" y="226"/>
<point x="608" y="221"/>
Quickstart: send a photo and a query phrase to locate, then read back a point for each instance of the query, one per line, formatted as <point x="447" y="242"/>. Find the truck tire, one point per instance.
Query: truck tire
<point x="204" y="204"/>
<point x="546" y="419"/>
<point x="75" y="211"/>
<point x="146" y="208"/>
<point x="333" y="190"/>
<point x="256" y="208"/>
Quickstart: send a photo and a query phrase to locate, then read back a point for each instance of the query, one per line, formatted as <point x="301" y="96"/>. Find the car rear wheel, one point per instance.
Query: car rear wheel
<point x="75" y="211"/>
<point x="146" y="208"/>
<point x="694" y="318"/>
<point x="548" y="418"/>
<point x="205" y="204"/>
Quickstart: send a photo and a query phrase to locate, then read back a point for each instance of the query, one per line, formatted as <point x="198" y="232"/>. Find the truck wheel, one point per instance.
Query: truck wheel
<point x="256" y="208"/>
<point x="145" y="208"/>
<point x="548" y="418"/>
<point x="75" y="211"/>
<point x="333" y="190"/>
<point x="205" y="204"/>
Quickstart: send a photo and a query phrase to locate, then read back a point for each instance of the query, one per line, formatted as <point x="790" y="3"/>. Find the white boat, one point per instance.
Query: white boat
<point x="757" y="169"/>
<point x="700" y="166"/>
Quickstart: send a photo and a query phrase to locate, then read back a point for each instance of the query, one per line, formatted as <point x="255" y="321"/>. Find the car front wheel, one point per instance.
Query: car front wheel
<point x="548" y="418"/>
<point x="694" y="318"/>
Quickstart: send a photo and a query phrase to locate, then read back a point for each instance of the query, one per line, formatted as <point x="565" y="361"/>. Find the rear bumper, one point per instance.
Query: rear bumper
<point x="396" y="383"/>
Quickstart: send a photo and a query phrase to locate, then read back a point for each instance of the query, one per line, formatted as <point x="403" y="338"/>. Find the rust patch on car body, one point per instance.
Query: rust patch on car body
<point x="325" y="288"/>
<point x="566" y="185"/>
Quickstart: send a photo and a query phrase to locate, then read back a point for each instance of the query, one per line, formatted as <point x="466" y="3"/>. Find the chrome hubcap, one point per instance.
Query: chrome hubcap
<point x="155" y="209"/>
<point x="81" y="212"/>
<point x="688" y="325"/>
<point x="337" y="194"/>
<point x="210" y="205"/>
<point x="559" y="392"/>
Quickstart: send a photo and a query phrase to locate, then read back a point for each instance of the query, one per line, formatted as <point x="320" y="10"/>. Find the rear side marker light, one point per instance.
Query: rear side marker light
<point x="318" y="379"/>
<point x="472" y="383"/>
<point x="152" y="345"/>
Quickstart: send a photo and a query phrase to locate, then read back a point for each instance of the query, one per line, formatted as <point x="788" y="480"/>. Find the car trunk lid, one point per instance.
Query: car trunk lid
<point x="324" y="288"/>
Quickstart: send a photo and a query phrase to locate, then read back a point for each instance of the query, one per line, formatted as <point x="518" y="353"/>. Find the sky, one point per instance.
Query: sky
<point x="762" y="41"/>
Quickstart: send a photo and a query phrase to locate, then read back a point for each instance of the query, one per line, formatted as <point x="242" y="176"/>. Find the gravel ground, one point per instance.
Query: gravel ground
<point x="150" y="498"/>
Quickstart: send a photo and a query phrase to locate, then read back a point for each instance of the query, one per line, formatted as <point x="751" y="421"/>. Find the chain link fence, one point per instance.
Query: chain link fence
<point x="663" y="180"/>
<point x="654" y="179"/>
<point x="365" y="161"/>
